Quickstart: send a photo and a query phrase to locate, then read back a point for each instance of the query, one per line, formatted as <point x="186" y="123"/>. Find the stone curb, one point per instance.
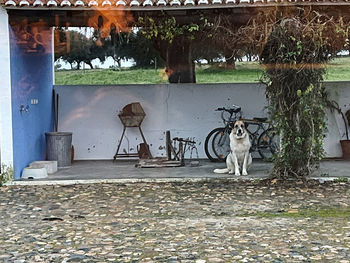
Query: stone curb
<point x="127" y="181"/>
<point x="146" y="180"/>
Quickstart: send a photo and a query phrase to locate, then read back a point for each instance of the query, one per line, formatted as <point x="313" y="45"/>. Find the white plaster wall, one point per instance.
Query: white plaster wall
<point x="339" y="92"/>
<point x="6" y="142"/>
<point x="187" y="110"/>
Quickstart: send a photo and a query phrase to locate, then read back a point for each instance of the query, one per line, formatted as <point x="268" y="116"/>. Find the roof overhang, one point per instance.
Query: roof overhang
<point x="77" y="12"/>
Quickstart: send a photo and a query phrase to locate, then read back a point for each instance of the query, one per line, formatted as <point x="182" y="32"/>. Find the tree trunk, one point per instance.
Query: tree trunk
<point x="181" y="68"/>
<point x="90" y="64"/>
<point x="230" y="58"/>
<point x="230" y="63"/>
<point x="119" y="63"/>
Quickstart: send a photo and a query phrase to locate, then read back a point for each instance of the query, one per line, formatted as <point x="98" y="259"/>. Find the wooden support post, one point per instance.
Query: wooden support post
<point x="182" y="153"/>
<point x="168" y="145"/>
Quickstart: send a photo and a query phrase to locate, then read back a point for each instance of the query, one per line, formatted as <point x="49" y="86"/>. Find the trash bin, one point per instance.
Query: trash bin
<point x="59" y="148"/>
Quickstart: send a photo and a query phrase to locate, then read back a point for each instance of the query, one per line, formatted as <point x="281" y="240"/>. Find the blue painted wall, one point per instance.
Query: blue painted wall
<point x="31" y="78"/>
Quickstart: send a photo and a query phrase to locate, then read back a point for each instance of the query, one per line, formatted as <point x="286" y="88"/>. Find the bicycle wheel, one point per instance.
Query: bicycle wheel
<point x="208" y="145"/>
<point x="221" y="144"/>
<point x="268" y="144"/>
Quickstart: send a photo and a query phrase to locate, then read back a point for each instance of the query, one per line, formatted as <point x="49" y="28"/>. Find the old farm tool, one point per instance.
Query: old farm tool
<point x="132" y="115"/>
<point x="175" y="149"/>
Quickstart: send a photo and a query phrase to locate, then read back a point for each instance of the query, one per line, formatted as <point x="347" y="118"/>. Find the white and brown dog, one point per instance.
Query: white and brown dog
<point x="239" y="159"/>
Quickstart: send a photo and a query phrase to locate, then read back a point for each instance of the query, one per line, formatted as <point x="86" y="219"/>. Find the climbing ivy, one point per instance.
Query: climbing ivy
<point x="293" y="47"/>
<point x="294" y="71"/>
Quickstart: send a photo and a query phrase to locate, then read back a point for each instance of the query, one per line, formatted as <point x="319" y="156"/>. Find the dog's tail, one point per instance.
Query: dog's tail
<point x="221" y="171"/>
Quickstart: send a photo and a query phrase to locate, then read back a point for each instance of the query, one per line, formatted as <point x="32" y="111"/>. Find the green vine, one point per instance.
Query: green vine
<point x="166" y="28"/>
<point x="295" y="64"/>
<point x="294" y="47"/>
<point x="6" y="174"/>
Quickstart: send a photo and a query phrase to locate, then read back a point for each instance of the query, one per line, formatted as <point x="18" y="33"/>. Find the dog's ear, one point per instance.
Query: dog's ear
<point x="245" y="125"/>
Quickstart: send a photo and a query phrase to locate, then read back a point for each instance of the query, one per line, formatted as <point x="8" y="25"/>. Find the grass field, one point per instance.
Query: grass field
<point x="338" y="70"/>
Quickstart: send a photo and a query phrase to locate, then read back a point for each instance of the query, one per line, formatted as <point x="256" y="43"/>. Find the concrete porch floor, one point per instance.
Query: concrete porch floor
<point x="125" y="171"/>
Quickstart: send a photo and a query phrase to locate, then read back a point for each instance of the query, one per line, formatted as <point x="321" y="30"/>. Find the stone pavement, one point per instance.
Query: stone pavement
<point x="209" y="221"/>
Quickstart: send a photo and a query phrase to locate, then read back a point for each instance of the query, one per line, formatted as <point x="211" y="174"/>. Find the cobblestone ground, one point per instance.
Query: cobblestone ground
<point x="214" y="221"/>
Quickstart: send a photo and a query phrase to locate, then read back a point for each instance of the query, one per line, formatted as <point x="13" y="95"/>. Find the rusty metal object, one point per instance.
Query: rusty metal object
<point x="143" y="151"/>
<point x="177" y="147"/>
<point x="132" y="115"/>
<point x="182" y="147"/>
<point x="175" y="150"/>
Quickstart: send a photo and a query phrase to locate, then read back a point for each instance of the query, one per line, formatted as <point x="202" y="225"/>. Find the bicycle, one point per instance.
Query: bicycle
<point x="263" y="138"/>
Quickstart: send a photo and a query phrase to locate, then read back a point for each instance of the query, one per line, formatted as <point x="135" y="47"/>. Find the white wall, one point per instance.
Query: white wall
<point x="6" y="142"/>
<point x="340" y="92"/>
<point x="187" y="110"/>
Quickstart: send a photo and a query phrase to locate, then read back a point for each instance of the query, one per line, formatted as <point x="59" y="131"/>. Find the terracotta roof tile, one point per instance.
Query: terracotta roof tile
<point x="146" y="3"/>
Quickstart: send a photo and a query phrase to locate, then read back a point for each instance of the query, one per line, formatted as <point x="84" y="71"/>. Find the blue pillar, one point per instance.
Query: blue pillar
<point x="31" y="88"/>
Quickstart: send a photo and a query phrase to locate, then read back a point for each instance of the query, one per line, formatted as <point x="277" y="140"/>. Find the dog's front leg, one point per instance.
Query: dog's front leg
<point x="235" y="161"/>
<point x="245" y="163"/>
<point x="230" y="164"/>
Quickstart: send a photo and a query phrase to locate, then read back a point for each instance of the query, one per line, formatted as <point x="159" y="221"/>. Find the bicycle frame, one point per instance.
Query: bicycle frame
<point x="261" y="127"/>
<point x="217" y="139"/>
<point x="232" y="119"/>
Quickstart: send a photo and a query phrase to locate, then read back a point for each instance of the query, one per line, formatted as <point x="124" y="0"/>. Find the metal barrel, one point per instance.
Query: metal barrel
<point x="59" y="148"/>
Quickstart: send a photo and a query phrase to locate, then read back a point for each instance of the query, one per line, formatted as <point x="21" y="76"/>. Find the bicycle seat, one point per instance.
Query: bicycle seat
<point x="235" y="110"/>
<point x="260" y="119"/>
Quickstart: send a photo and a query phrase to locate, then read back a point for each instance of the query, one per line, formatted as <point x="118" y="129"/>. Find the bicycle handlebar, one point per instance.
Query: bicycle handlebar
<point x="220" y="109"/>
<point x="183" y="140"/>
<point x="235" y="109"/>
